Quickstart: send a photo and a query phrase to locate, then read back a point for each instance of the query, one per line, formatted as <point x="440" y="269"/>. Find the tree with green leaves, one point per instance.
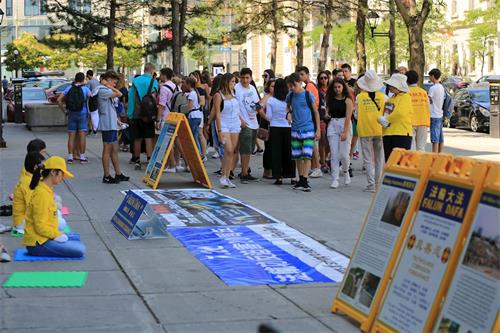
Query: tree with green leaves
<point x="31" y="53"/>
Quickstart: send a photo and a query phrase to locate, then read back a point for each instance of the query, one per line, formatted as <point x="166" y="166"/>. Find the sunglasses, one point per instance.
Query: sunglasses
<point x="323" y="78"/>
<point x="265" y="76"/>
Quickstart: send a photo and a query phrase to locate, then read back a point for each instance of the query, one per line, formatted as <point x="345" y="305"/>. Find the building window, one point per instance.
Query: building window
<point x="8" y="8"/>
<point x="35" y="7"/>
<point x="453" y="8"/>
<point x="471" y="4"/>
<point x="82" y="6"/>
<point x="491" y="55"/>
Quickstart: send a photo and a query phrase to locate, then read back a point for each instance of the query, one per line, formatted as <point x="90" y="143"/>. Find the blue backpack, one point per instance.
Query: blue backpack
<point x="448" y="105"/>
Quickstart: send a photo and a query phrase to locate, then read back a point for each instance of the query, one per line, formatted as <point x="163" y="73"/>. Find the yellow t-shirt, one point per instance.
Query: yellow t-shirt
<point x="421" y="108"/>
<point x="368" y="114"/>
<point x="22" y="197"/>
<point x="41" y="217"/>
<point x="401" y="115"/>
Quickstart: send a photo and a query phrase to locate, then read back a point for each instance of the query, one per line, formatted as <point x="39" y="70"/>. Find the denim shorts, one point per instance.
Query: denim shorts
<point x="437" y="130"/>
<point x="77" y="122"/>
<point x="109" y="137"/>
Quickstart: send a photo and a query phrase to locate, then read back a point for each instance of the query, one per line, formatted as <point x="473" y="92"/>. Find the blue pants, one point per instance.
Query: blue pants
<point x="194" y="124"/>
<point x="51" y="248"/>
<point x="217" y="145"/>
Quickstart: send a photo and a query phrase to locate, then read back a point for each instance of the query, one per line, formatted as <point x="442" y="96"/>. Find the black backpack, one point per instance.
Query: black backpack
<point x="146" y="109"/>
<point x="75" y="99"/>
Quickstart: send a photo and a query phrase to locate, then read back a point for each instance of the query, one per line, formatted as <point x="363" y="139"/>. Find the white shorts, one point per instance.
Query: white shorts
<point x="232" y="128"/>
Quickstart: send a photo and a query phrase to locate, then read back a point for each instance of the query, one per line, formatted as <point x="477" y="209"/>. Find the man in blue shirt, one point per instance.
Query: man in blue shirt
<point x="141" y="129"/>
<point x="304" y="118"/>
<point x="77" y="119"/>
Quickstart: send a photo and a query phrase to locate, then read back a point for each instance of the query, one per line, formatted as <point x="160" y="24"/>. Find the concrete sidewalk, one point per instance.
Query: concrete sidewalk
<point x="157" y="285"/>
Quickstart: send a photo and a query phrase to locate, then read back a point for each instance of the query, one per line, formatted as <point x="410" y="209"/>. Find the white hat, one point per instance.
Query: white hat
<point x="370" y="81"/>
<point x="398" y="81"/>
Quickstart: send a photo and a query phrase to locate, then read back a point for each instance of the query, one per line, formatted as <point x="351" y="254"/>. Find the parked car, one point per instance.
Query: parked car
<point x="45" y="82"/>
<point x="54" y="92"/>
<point x="472" y="109"/>
<point x="34" y="95"/>
<point x="454" y="83"/>
<point x="484" y="80"/>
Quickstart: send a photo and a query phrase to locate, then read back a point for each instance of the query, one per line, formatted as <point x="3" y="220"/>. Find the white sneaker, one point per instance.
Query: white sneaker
<point x="230" y="184"/>
<point x="224" y="182"/>
<point x="180" y="168"/>
<point x="347" y="178"/>
<point x="216" y="155"/>
<point x="316" y="173"/>
<point x="335" y="184"/>
<point x="170" y="170"/>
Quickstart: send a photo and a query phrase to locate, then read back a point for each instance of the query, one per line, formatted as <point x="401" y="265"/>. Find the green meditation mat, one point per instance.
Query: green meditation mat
<point x="46" y="280"/>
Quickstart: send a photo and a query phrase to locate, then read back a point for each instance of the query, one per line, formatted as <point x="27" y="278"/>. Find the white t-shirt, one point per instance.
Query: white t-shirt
<point x="436" y="98"/>
<point x="248" y="98"/>
<point x="276" y="112"/>
<point x="192" y="96"/>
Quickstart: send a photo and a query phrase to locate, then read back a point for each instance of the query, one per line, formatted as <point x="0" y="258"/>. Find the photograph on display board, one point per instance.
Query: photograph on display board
<point x="483" y="252"/>
<point x="361" y="286"/>
<point x="395" y="209"/>
<point x="448" y="326"/>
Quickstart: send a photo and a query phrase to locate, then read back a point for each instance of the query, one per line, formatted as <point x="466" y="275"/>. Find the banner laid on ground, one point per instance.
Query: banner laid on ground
<point x="262" y="254"/>
<point x="201" y="208"/>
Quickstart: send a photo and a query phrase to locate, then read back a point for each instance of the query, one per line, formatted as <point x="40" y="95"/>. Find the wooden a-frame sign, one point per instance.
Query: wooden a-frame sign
<point x="176" y="127"/>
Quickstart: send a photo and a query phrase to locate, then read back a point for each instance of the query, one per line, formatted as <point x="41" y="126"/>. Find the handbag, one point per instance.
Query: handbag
<point x="263" y="134"/>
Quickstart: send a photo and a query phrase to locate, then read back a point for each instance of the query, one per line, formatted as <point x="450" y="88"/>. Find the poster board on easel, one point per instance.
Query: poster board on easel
<point x="176" y="127"/>
<point x="435" y="240"/>
<point x="382" y="235"/>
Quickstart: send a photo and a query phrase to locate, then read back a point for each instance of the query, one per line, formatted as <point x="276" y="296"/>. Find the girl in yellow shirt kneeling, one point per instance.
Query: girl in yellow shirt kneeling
<point x="42" y="237"/>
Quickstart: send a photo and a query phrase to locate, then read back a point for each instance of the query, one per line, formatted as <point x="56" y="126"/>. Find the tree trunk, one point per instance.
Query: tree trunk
<point x="274" y="35"/>
<point x="300" y="33"/>
<point x="182" y="24"/>
<point x="176" y="43"/>
<point x="417" y="54"/>
<point x="110" y="42"/>
<point x="360" y="36"/>
<point x="325" y="41"/>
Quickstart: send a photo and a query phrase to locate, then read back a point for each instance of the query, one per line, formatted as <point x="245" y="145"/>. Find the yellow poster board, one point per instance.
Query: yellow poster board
<point x="176" y="127"/>
<point x="382" y="235"/>
<point x="435" y="240"/>
<point x="473" y="300"/>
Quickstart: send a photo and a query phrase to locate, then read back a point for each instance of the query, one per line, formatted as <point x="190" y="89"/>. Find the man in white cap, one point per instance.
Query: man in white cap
<point x="370" y="104"/>
<point x="397" y="118"/>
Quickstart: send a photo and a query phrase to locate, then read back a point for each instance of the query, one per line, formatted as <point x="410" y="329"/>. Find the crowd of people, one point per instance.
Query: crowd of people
<point x="303" y="128"/>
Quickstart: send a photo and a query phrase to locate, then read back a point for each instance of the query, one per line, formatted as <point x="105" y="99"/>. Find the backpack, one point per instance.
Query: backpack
<point x="146" y="108"/>
<point x="448" y="105"/>
<point x="93" y="102"/>
<point x="309" y="103"/>
<point x="179" y="103"/>
<point x="172" y="90"/>
<point x="75" y="98"/>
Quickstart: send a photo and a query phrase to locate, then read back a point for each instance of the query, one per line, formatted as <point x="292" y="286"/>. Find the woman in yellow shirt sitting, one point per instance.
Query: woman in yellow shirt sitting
<point x="42" y="237"/>
<point x="22" y="192"/>
<point x="397" y="118"/>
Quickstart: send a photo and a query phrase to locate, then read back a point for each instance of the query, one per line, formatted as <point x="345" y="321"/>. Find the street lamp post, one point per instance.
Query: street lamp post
<point x="16" y="57"/>
<point x="3" y="144"/>
<point x="373" y="21"/>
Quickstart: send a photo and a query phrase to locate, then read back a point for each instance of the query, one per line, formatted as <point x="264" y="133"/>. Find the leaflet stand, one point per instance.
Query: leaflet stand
<point x="136" y="220"/>
<point x="176" y="127"/>
<point x="425" y="266"/>
<point x="372" y="261"/>
<point x="475" y="289"/>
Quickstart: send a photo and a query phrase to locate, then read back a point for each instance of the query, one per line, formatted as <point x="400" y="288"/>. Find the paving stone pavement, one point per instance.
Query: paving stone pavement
<point x="157" y="285"/>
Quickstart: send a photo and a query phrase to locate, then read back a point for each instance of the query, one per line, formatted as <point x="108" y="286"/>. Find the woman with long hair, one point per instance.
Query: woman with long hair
<point x="264" y="124"/>
<point x="280" y="134"/>
<point x="200" y="90"/>
<point x="42" y="237"/>
<point x="323" y="80"/>
<point x="227" y="116"/>
<point x="339" y="108"/>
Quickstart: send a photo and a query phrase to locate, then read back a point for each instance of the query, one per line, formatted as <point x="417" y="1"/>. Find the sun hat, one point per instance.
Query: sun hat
<point x="370" y="81"/>
<point x="58" y="163"/>
<point x="398" y="81"/>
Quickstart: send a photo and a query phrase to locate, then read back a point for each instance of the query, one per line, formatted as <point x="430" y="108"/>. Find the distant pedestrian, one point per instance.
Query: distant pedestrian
<point x="339" y="108"/>
<point x="108" y="125"/>
<point x="437" y="96"/>
<point x="304" y="118"/>
<point x="195" y="116"/>
<point x="92" y="83"/>
<point x="267" y="76"/>
<point x="347" y="70"/>
<point x="369" y="107"/>
<point x="73" y="102"/>
<point x="323" y="81"/>
<point x="5" y="84"/>
<point x="421" y="112"/>
<point x="397" y="118"/>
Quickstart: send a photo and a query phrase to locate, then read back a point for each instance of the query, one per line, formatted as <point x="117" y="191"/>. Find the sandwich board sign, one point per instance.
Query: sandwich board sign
<point x="434" y="243"/>
<point x="473" y="300"/>
<point x="382" y="235"/>
<point x="176" y="127"/>
<point x="135" y="220"/>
